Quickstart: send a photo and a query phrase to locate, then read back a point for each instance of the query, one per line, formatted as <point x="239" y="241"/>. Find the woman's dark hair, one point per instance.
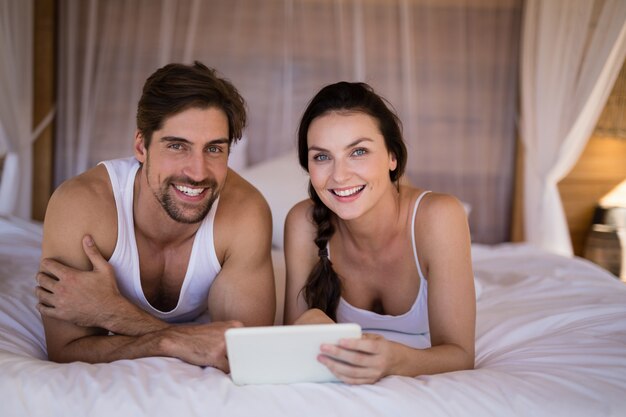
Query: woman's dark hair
<point x="323" y="287"/>
<point x="178" y="87"/>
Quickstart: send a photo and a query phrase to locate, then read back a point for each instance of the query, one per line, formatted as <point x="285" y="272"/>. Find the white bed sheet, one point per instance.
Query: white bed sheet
<point x="551" y="341"/>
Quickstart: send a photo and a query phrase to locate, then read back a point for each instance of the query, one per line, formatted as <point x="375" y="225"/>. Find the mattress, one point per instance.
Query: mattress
<point x="550" y="341"/>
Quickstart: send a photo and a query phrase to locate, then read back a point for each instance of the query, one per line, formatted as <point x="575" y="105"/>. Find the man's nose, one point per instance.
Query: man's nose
<point x="196" y="167"/>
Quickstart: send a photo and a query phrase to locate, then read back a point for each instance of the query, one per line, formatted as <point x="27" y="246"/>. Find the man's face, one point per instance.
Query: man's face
<point x="187" y="162"/>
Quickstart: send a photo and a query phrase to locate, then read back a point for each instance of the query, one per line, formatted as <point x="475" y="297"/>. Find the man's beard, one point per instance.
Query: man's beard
<point x="175" y="210"/>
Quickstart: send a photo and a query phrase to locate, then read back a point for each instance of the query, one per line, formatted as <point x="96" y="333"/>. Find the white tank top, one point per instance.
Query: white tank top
<point x="410" y="328"/>
<point x="203" y="263"/>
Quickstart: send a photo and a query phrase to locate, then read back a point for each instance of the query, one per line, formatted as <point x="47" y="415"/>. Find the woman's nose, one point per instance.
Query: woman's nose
<point x="341" y="171"/>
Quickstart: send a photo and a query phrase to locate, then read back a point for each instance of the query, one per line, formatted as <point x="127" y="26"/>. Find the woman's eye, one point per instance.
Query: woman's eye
<point x="321" y="157"/>
<point x="359" y="152"/>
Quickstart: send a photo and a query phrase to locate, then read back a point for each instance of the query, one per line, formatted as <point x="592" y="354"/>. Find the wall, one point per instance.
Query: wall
<point x="600" y="168"/>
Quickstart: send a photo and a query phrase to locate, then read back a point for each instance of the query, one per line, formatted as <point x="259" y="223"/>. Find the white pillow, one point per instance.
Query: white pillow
<point x="283" y="183"/>
<point x="238" y="157"/>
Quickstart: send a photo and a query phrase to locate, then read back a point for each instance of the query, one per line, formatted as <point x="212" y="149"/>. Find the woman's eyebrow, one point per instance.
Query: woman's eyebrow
<point x="350" y="145"/>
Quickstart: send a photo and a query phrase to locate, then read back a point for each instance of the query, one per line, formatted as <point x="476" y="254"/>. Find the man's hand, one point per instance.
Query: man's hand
<point x="202" y="344"/>
<point x="84" y="298"/>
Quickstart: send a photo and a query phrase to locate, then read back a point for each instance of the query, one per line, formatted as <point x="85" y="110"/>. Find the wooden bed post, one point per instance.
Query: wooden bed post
<point x="517" y="220"/>
<point x="44" y="72"/>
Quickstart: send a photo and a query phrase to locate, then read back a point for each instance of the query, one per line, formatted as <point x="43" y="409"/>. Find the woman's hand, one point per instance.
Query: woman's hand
<point x="361" y="361"/>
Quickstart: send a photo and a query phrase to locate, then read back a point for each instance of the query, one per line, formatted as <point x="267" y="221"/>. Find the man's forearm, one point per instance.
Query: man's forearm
<point x="125" y="318"/>
<point x="201" y="344"/>
<point x="103" y="349"/>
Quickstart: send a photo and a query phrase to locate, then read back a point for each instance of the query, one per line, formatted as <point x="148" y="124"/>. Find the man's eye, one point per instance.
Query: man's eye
<point x="175" y="146"/>
<point x="214" y="149"/>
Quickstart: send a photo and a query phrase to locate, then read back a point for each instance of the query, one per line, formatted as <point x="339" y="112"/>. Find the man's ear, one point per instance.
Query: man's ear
<point x="140" y="147"/>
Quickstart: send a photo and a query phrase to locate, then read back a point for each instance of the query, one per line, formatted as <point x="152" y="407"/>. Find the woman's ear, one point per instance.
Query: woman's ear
<point x="393" y="162"/>
<point x="140" y="147"/>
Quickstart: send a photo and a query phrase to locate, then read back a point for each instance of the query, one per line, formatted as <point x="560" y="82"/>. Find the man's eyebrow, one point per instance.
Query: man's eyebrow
<point x="350" y="145"/>
<point x="173" y="139"/>
<point x="219" y="141"/>
<point x="183" y="140"/>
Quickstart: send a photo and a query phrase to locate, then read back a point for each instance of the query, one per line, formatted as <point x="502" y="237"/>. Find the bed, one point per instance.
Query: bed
<point x="550" y="341"/>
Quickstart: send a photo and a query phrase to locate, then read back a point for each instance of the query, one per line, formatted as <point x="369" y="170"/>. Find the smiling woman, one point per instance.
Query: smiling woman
<point x="401" y="264"/>
<point x="348" y="159"/>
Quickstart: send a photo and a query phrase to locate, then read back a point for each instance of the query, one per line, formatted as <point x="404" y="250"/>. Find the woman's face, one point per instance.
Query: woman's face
<point x="348" y="162"/>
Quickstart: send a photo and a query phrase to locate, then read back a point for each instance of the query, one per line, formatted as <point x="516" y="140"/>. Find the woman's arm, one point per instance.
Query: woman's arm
<point x="443" y="244"/>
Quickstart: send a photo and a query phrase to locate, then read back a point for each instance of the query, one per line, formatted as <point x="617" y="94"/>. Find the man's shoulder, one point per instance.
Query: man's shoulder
<point x="241" y="197"/>
<point x="92" y="187"/>
<point x="87" y="197"/>
<point x="81" y="205"/>
<point x="243" y="222"/>
<point x="242" y="211"/>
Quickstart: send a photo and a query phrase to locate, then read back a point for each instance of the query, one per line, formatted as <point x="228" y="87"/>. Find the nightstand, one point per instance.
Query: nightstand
<point x="606" y="242"/>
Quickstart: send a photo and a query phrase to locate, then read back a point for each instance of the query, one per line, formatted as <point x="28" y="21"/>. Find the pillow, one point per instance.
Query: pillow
<point x="283" y="183"/>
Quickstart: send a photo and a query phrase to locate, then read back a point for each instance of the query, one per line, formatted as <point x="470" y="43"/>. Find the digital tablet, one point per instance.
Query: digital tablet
<point x="283" y="354"/>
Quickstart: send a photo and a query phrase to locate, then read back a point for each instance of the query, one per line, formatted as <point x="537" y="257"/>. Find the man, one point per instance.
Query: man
<point x="182" y="233"/>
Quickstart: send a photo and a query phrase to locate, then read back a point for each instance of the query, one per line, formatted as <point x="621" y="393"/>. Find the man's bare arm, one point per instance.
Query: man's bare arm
<point x="244" y="289"/>
<point x="145" y="335"/>
<point x="90" y="298"/>
<point x="186" y="342"/>
<point x="84" y="206"/>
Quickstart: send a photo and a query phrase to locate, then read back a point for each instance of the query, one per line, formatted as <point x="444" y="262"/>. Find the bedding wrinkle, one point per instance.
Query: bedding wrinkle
<point x="543" y="348"/>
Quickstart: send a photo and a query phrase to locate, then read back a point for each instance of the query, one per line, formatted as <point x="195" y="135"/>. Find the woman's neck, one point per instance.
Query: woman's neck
<point x="377" y="227"/>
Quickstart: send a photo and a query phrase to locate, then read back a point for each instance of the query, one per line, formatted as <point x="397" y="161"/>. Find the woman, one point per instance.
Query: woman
<point x="366" y="249"/>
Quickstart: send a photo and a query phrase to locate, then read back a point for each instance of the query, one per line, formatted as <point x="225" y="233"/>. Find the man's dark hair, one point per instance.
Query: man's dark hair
<point x="178" y="87"/>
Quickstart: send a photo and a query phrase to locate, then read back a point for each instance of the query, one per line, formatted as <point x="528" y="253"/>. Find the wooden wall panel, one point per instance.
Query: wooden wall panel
<point x="600" y="168"/>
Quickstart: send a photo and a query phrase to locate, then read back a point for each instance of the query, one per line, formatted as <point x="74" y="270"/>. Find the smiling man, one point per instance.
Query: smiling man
<point x="160" y="253"/>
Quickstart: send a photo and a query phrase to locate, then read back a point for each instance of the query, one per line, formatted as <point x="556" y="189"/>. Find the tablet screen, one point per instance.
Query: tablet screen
<point x="283" y="354"/>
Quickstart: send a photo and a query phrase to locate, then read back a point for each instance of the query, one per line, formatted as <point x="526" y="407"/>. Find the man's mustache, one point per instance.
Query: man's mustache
<point x="207" y="183"/>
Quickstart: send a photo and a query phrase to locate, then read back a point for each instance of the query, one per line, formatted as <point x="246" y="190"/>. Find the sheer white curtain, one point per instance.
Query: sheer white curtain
<point x="16" y="88"/>
<point x="572" y="51"/>
<point x="448" y="67"/>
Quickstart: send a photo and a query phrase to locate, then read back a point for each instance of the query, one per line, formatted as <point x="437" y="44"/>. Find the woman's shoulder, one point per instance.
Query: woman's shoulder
<point x="433" y="205"/>
<point x="428" y="197"/>
<point x="301" y="210"/>
<point x="299" y="219"/>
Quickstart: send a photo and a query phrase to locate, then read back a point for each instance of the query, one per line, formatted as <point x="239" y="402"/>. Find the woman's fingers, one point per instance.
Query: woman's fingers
<point x="356" y="361"/>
